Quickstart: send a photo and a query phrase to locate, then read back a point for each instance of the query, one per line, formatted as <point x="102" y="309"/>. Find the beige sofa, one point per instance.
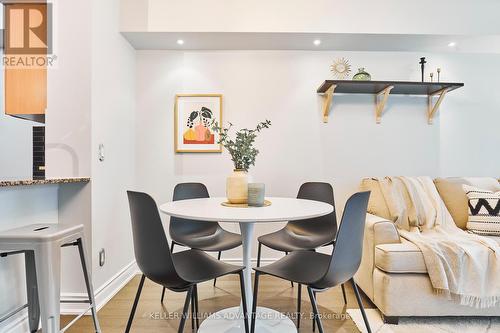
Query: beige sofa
<point x="393" y="273"/>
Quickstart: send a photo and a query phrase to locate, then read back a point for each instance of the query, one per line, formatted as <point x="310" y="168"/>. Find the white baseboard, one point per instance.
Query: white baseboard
<point x="103" y="294"/>
<point x="19" y="322"/>
<point x="16" y="324"/>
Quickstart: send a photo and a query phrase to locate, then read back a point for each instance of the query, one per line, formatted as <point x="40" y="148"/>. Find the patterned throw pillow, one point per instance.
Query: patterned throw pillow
<point x="484" y="211"/>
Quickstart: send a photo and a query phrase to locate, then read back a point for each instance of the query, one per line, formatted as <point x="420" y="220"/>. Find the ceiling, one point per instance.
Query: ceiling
<point x="304" y="41"/>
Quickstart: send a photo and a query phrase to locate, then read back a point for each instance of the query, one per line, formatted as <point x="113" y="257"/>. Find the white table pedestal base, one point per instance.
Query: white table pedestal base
<point x="281" y="210"/>
<point x="230" y="321"/>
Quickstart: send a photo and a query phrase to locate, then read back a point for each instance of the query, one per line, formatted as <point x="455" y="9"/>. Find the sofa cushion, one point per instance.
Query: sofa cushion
<point x="486" y="183"/>
<point x="404" y="257"/>
<point x="377" y="204"/>
<point x="455" y="199"/>
<point x="484" y="211"/>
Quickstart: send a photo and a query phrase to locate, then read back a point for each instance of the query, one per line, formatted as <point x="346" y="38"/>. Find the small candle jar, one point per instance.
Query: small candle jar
<point x="256" y="194"/>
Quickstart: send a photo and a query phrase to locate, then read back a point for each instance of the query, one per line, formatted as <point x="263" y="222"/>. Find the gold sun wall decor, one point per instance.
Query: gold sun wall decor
<point x="341" y="68"/>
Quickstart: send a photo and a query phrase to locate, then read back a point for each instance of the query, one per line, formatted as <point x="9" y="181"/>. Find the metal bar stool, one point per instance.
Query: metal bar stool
<point x="41" y="244"/>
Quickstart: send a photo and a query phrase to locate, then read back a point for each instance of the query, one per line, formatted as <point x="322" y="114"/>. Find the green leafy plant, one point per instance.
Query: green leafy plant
<point x="241" y="148"/>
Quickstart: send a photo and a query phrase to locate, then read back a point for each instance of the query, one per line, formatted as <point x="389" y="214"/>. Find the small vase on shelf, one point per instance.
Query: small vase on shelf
<point x="362" y="75"/>
<point x="237" y="187"/>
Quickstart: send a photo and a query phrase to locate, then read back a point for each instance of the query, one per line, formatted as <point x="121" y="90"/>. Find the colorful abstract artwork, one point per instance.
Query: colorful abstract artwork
<point x="194" y="114"/>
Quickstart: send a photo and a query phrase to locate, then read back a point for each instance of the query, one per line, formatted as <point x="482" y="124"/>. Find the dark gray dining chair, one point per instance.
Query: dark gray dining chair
<point x="308" y="234"/>
<point x="178" y="272"/>
<point x="200" y="235"/>
<point x="318" y="271"/>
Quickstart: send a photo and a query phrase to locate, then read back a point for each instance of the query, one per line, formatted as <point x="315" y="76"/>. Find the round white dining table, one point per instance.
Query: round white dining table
<point x="281" y="209"/>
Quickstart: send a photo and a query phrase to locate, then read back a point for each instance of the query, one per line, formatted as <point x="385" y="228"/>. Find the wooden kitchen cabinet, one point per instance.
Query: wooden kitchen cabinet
<point x="26" y="48"/>
<point x="26" y="93"/>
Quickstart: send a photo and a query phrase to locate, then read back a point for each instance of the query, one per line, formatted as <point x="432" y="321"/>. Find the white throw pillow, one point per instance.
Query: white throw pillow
<point x="484" y="211"/>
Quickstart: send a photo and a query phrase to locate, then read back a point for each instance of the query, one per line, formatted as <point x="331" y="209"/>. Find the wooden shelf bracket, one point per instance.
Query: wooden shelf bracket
<point x="328" y="97"/>
<point x="380" y="103"/>
<point x="434" y="91"/>
<point x="432" y="109"/>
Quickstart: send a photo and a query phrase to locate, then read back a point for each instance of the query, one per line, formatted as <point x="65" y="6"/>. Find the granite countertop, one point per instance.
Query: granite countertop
<point x="28" y="182"/>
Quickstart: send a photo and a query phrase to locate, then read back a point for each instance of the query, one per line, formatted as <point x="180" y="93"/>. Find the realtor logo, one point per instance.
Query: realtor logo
<point x="28" y="28"/>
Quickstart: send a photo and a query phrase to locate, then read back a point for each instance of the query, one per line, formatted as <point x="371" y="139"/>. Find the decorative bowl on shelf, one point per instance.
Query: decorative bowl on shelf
<point x="362" y="75"/>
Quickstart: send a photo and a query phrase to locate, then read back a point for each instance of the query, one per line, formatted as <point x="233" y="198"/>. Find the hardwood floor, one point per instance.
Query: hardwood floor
<point x="153" y="317"/>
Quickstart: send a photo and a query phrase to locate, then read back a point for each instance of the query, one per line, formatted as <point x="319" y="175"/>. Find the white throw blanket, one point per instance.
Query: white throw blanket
<point x="464" y="266"/>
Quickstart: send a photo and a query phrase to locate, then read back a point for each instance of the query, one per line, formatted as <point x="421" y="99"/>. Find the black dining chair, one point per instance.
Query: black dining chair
<point x="318" y="271"/>
<point x="178" y="272"/>
<point x="199" y="235"/>
<point x="308" y="234"/>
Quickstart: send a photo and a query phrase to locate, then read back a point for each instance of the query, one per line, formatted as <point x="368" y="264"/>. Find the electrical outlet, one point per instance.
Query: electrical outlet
<point x="102" y="257"/>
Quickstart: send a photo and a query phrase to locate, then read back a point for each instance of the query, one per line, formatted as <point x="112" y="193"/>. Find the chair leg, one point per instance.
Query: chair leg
<point x="360" y="303"/>
<point x="192" y="309"/>
<point x="163" y="290"/>
<point x="312" y="296"/>
<point x="258" y="254"/>
<point x="162" y="294"/>
<point x="291" y="282"/>
<point x="197" y="310"/>
<point x="185" y="310"/>
<point x="244" y="301"/>
<point x="299" y="300"/>
<point x="218" y="258"/>
<point x="88" y="284"/>
<point x="314" y="318"/>
<point x="254" y="303"/>
<point x="134" y="307"/>
<point x="343" y="293"/>
<point x="48" y="275"/>
<point x="32" y="291"/>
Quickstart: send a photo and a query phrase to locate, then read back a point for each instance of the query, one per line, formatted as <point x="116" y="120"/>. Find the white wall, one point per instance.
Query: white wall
<point x="329" y="16"/>
<point x="16" y="142"/>
<point x="281" y="86"/>
<point x="16" y="147"/>
<point x="68" y="92"/>
<point x="113" y="117"/>
<point x="469" y="131"/>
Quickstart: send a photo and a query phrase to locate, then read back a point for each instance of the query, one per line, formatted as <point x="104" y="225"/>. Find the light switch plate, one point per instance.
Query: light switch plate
<point x="102" y="257"/>
<point x="101" y="152"/>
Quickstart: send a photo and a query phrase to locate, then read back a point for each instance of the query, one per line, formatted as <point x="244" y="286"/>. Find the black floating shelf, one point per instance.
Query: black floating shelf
<point x="430" y="89"/>
<point x="400" y="87"/>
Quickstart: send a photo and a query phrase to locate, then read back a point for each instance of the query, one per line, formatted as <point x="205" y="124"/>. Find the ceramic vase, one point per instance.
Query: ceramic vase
<point x="362" y="75"/>
<point x="237" y="187"/>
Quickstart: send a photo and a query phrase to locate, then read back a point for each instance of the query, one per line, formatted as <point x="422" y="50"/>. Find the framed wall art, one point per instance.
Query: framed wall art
<point x="194" y="114"/>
